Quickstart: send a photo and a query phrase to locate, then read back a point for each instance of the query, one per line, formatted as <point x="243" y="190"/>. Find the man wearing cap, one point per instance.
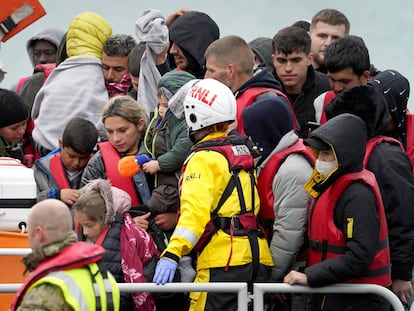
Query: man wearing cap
<point x="347" y="226"/>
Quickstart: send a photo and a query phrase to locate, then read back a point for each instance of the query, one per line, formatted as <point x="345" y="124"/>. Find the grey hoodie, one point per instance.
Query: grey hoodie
<point x="52" y="34"/>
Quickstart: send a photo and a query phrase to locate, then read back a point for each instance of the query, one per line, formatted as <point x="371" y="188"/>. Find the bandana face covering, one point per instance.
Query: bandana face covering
<point x="119" y="88"/>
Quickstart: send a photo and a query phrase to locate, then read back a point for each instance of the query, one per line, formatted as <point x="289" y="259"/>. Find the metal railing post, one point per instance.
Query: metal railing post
<point x="260" y="288"/>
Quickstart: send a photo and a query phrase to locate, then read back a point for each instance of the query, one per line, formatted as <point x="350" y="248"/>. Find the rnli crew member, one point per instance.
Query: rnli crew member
<point x="218" y="192"/>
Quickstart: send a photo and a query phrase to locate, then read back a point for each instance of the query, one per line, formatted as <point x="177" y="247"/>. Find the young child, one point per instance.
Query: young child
<point x="101" y="219"/>
<point x="58" y="174"/>
<point x="166" y="141"/>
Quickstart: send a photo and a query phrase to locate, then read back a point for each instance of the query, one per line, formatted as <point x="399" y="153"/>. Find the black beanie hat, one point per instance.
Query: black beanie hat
<point x="267" y="120"/>
<point x="396" y="89"/>
<point x="13" y="108"/>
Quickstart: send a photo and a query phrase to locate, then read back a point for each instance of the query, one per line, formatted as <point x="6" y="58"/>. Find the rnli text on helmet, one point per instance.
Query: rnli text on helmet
<point x="203" y="95"/>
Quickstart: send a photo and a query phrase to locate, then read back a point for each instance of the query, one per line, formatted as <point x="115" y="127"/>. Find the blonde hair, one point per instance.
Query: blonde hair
<point x="126" y="107"/>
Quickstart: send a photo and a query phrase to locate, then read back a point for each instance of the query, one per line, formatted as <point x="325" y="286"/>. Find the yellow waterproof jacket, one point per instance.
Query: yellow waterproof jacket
<point x="205" y="177"/>
<point x="86" y="35"/>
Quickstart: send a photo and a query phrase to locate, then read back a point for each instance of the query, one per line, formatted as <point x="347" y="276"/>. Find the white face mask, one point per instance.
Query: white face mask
<point x="324" y="168"/>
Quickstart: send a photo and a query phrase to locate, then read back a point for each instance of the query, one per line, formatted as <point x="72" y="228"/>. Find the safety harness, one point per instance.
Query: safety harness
<point x="244" y="224"/>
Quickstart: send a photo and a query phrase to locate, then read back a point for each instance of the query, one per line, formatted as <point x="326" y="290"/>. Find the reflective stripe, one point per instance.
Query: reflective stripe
<point x="108" y="285"/>
<point x="73" y="288"/>
<point x="186" y="234"/>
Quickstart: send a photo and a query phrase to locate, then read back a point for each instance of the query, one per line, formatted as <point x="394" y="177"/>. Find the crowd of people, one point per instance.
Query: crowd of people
<point x="183" y="155"/>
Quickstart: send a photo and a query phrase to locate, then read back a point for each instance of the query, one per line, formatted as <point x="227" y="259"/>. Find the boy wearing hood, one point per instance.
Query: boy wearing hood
<point x="347" y="227"/>
<point x="41" y="49"/>
<point x="386" y="158"/>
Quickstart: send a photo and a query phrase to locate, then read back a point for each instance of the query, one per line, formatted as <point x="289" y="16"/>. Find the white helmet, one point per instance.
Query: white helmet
<point x="209" y="102"/>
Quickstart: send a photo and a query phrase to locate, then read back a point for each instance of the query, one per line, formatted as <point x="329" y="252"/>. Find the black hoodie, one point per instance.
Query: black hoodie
<point x="315" y="84"/>
<point x="346" y="136"/>
<point x="261" y="78"/>
<point x="193" y="32"/>
<point x="392" y="169"/>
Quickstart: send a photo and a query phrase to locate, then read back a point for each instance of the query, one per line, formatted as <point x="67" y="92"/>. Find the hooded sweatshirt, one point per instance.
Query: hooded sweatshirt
<point x="193" y="32"/>
<point x="392" y="169"/>
<point x="51" y="33"/>
<point x="261" y="78"/>
<point x="263" y="49"/>
<point x="346" y="136"/>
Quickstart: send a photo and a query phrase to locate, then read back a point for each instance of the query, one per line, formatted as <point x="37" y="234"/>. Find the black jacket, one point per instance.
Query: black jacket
<point x="316" y="83"/>
<point x="261" y="78"/>
<point x="193" y="32"/>
<point x="347" y="135"/>
<point x="392" y="169"/>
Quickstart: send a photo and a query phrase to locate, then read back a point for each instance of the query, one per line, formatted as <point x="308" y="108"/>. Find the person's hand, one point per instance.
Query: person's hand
<point x="172" y="17"/>
<point x="142" y="159"/>
<point x="151" y="167"/>
<point x="295" y="277"/>
<point x="403" y="289"/>
<point x="69" y="196"/>
<point x="166" y="221"/>
<point x="142" y="221"/>
<point x="164" y="272"/>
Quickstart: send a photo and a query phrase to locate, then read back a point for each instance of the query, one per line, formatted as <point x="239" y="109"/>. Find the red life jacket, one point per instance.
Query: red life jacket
<point x="374" y="141"/>
<point x="74" y="256"/>
<point x="246" y="98"/>
<point x="111" y="158"/>
<point x="327" y="241"/>
<point x="58" y="172"/>
<point x="267" y="174"/>
<point x="329" y="96"/>
<point x="409" y="117"/>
